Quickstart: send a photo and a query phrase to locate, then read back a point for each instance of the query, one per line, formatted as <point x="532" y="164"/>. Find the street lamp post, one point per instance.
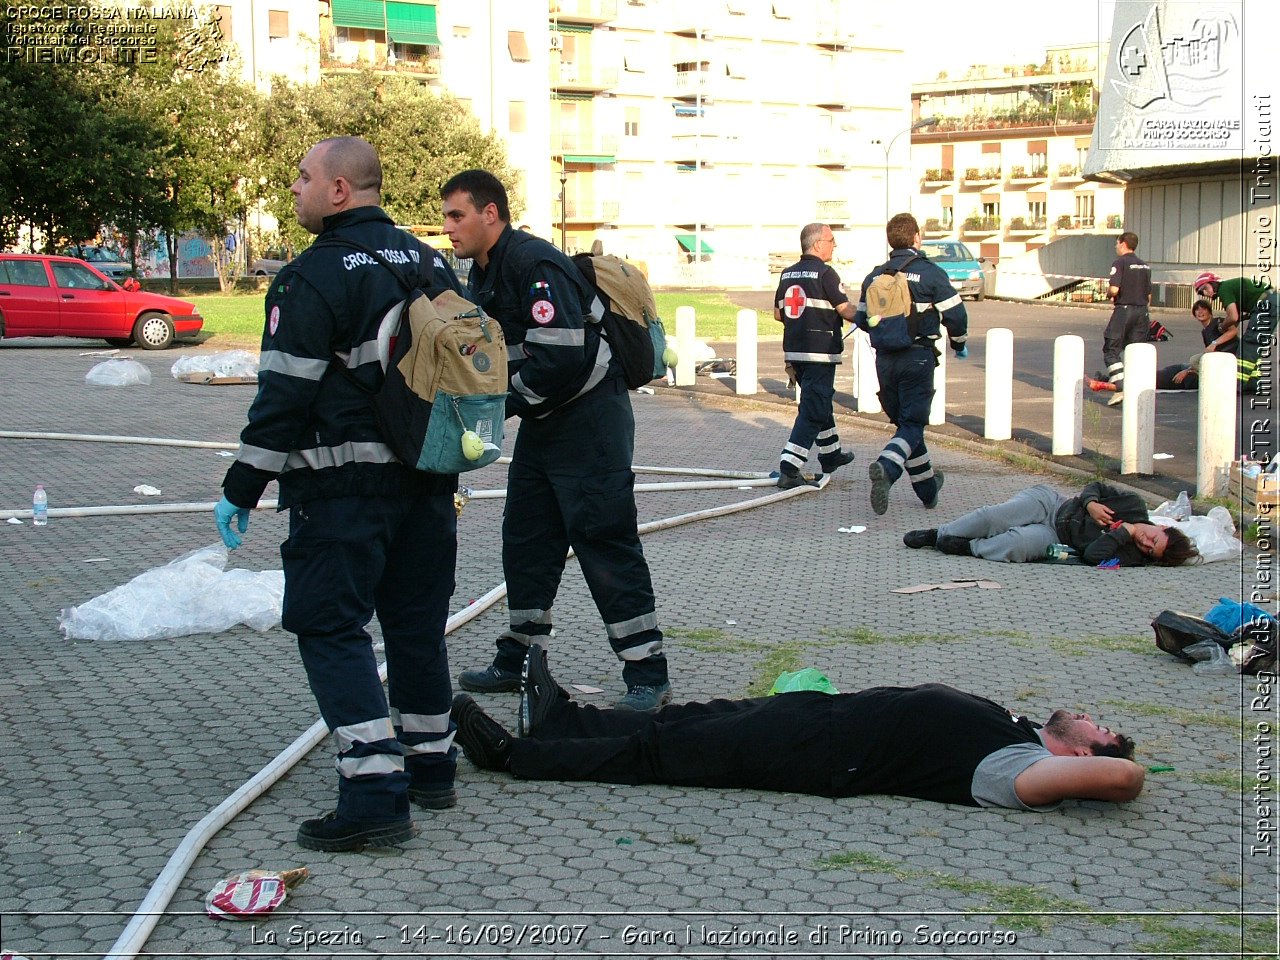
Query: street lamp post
<point x="888" y="149"/>
<point x="564" y="213"/>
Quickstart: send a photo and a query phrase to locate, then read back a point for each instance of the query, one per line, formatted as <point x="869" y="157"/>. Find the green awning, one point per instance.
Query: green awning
<point x="573" y="27"/>
<point x="687" y="241"/>
<point x="567" y="95"/>
<point x="365" y="14"/>
<point x="590" y="158"/>
<point x="412" y="23"/>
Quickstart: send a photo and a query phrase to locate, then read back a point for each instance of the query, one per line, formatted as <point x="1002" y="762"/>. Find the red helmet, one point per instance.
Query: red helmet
<point x="1206" y="277"/>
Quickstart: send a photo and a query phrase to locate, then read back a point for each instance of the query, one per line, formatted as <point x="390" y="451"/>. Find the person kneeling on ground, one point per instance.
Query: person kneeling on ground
<point x="931" y="741"/>
<point x="1101" y="523"/>
<point x="1218" y="334"/>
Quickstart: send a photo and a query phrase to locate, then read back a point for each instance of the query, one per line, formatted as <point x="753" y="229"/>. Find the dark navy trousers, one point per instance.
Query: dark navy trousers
<point x="346" y="560"/>
<point x="570" y="484"/>
<point x="906" y="394"/>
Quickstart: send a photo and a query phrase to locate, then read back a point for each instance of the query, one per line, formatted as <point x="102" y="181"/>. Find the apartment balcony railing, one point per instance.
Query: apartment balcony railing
<point x="583" y="11"/>
<point x="590" y="210"/>
<point x="981" y="226"/>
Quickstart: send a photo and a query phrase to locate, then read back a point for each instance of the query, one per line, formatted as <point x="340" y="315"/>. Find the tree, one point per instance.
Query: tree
<point x="422" y="137"/>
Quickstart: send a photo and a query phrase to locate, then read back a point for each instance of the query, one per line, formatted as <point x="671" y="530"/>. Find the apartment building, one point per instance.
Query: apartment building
<point x="273" y="37"/>
<point x="1002" y="170"/>
<point x="694" y="135"/>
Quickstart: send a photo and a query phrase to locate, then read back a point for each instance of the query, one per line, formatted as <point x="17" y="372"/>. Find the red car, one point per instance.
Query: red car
<point x="42" y="296"/>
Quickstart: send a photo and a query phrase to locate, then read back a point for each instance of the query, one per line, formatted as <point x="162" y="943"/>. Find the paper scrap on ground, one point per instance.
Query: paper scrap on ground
<point x="192" y="594"/>
<point x="856" y="528"/>
<point x="958" y="583"/>
<point x="96" y="560"/>
<point x="1162" y="456"/>
<point x="14" y="520"/>
<point x="147" y="490"/>
<point x="583" y="688"/>
<point x="254" y="893"/>
<point x="224" y="453"/>
<point x="647" y="390"/>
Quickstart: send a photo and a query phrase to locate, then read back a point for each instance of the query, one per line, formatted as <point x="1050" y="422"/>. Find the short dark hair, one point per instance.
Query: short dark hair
<point x="1177" y="550"/>
<point x="482" y="187"/>
<point x="1122" y="749"/>
<point x="901" y="230"/>
<point x="1202" y="304"/>
<point x="1129" y="239"/>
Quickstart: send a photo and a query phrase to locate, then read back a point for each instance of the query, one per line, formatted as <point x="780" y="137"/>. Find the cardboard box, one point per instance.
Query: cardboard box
<point x="1264" y="488"/>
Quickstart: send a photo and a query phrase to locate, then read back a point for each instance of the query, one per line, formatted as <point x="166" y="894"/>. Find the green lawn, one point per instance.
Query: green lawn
<point x="237" y="318"/>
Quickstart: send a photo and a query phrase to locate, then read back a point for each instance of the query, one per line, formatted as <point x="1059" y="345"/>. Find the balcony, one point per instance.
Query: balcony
<point x="590" y="210"/>
<point x="348" y="57"/>
<point x="583" y="11"/>
<point x="973" y="177"/>
<point x="937" y="177"/>
<point x="582" y="76"/>
<point x="1068" y="224"/>
<point x="833" y="32"/>
<point x="834" y="156"/>
<point x="1068" y="173"/>
<point x="934" y="227"/>
<point x="977" y="226"/>
<point x="576" y="143"/>
<point x="1021" y="227"/>
<point x="1022" y="177"/>
<point x="833" y="211"/>
<point x="694" y="83"/>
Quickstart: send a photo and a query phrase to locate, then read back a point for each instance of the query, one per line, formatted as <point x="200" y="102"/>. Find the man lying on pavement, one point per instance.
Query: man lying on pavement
<point x="1100" y="524"/>
<point x="931" y="741"/>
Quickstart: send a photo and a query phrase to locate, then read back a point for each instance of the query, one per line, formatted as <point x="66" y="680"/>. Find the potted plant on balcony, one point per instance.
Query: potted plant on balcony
<point x="1017" y="223"/>
<point x="972" y="222"/>
<point x="1115" y="221"/>
<point x="971" y="173"/>
<point x="1064" y="222"/>
<point x="1017" y="172"/>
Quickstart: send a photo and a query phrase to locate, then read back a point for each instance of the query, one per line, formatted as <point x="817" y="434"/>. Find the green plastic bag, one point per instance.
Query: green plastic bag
<point x="806" y="679"/>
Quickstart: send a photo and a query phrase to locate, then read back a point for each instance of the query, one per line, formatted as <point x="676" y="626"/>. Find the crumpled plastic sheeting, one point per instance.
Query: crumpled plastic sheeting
<point x="192" y="594"/>
<point x="1213" y="535"/>
<point x="229" y="363"/>
<point x="118" y="373"/>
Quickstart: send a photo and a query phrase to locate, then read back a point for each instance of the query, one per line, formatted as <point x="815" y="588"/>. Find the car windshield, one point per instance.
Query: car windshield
<point x="98" y="255"/>
<point x="947" y="252"/>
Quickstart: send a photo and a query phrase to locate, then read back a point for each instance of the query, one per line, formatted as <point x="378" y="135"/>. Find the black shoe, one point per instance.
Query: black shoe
<point x="915" y="539"/>
<point x="789" y="481"/>
<point x="645" y="697"/>
<point x="938" y="476"/>
<point x="837" y="460"/>
<point x="334" y="834"/>
<point x="435" y="797"/>
<point x="538" y="693"/>
<point x="880" y="484"/>
<point x="955" y="546"/>
<point x="492" y="679"/>
<point x="485" y="741"/>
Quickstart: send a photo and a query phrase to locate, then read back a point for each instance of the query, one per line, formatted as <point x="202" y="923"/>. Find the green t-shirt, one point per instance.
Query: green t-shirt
<point x="1244" y="293"/>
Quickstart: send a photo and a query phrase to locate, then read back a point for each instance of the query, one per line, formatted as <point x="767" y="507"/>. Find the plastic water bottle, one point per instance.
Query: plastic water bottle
<point x="40" y="506"/>
<point x="1182" y="507"/>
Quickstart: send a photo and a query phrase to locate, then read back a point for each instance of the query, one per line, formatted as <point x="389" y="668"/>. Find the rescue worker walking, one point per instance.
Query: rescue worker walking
<point x="906" y="375"/>
<point x="367" y="534"/>
<point x="1130" y="288"/>
<point x="570" y="482"/>
<point x="810" y="304"/>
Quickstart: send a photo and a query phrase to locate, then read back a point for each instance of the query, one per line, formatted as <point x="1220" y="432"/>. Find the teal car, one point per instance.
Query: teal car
<point x="968" y="274"/>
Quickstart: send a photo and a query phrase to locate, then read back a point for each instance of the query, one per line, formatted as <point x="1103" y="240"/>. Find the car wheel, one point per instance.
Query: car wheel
<point x="153" y="331"/>
<point x="259" y="273"/>
<point x="119" y="341"/>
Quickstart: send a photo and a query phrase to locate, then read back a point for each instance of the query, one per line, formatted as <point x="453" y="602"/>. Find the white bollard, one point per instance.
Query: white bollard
<point x="998" y="419"/>
<point x="1216" y="435"/>
<point x="938" y="411"/>
<point x="1068" y="396"/>
<point x="686" y="333"/>
<point x="866" y="389"/>
<point x="746" y="363"/>
<point x="1138" y="410"/>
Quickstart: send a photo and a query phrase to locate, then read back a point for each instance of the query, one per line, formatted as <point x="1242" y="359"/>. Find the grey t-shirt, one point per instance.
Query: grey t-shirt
<point x="993" y="779"/>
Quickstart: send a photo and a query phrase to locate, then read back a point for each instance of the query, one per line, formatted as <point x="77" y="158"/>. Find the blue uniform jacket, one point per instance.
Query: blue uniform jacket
<point x="936" y="302"/>
<point x="309" y="424"/>
<point x="554" y="350"/>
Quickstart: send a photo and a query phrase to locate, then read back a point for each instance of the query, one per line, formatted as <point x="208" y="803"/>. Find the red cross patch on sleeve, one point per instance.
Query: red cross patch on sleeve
<point x="543" y="312"/>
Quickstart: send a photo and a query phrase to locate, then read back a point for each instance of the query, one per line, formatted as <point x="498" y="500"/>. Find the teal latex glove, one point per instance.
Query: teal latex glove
<point x="963" y="353"/>
<point x="223" y="513"/>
